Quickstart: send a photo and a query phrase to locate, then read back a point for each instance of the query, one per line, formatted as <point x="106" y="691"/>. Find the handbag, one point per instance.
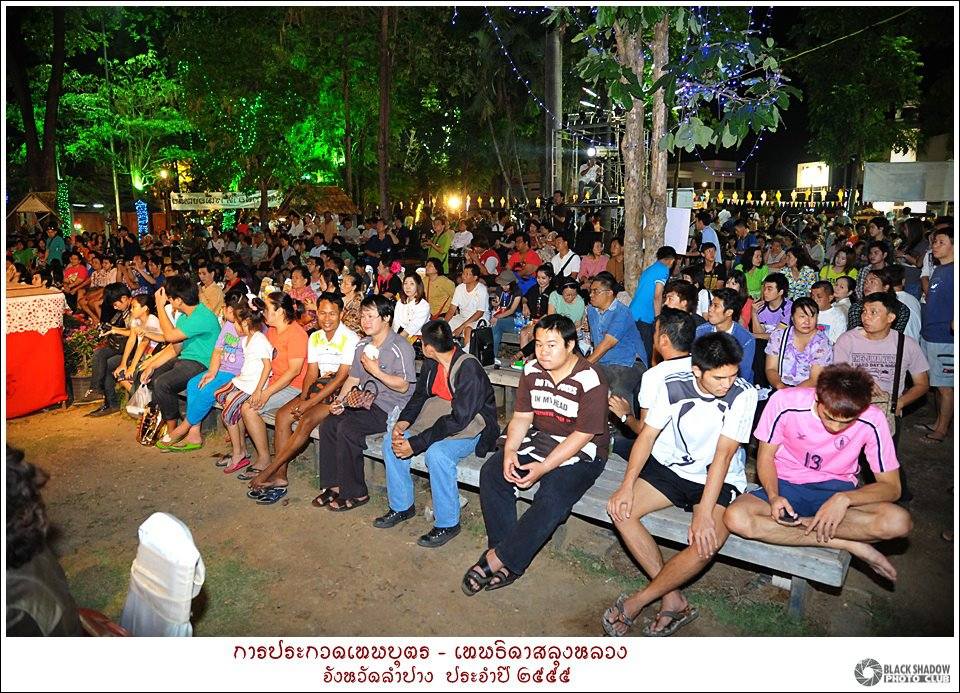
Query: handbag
<point x="362" y="398"/>
<point x="481" y="344"/>
<point x="151" y="425"/>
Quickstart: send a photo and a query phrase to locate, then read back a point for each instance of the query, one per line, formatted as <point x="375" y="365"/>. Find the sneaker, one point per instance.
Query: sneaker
<point x="393" y="518"/>
<point x="89" y="397"/>
<point x="438" y="536"/>
<point x="497" y="363"/>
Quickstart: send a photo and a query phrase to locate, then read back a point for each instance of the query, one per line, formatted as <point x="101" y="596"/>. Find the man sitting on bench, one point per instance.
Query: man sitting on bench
<point x="558" y="436"/>
<point x="693" y="465"/>
<point x="452" y="414"/>
<point x="810" y="443"/>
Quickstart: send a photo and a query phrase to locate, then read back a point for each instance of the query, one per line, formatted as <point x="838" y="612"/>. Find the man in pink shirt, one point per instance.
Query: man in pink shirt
<point x="810" y="443"/>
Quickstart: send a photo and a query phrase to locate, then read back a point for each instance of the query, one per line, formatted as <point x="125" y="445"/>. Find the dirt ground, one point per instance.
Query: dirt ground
<point x="292" y="569"/>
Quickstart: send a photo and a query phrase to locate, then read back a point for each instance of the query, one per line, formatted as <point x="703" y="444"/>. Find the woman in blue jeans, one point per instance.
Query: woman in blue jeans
<point x="226" y="362"/>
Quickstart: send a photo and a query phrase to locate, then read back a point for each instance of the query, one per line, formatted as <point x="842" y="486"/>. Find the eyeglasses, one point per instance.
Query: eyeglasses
<point x="598" y="291"/>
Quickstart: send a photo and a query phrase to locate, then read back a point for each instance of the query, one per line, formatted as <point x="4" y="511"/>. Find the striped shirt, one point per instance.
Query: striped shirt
<point x="576" y="403"/>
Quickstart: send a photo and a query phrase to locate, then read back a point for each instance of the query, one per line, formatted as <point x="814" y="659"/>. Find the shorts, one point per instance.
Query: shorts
<point x="683" y="493"/>
<point x="278" y="399"/>
<point x="460" y="319"/>
<point x="940" y="357"/>
<point x="806" y="499"/>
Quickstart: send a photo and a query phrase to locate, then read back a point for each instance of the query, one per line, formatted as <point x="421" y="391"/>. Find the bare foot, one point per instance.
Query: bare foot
<point x="875" y="559"/>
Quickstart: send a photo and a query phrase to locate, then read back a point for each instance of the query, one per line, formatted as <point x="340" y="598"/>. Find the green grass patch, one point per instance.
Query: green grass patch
<point x="745" y="616"/>
<point x="749" y="617"/>
<point x="233" y="592"/>
<point x="883" y="619"/>
<point x="595" y="567"/>
<point x="99" y="580"/>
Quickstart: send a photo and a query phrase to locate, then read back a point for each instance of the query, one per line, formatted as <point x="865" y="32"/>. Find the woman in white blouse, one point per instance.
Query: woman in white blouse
<point x="412" y="310"/>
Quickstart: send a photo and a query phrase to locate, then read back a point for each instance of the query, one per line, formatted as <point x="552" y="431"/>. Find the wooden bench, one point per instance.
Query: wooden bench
<point x="800" y="564"/>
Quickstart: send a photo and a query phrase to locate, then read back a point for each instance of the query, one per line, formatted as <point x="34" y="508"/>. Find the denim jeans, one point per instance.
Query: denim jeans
<point x="516" y="542"/>
<point x="442" y="458"/>
<point x="501" y="327"/>
<point x="622" y="380"/>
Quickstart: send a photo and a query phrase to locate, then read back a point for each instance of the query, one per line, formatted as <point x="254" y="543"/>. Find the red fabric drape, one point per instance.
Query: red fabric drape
<point x="35" y="376"/>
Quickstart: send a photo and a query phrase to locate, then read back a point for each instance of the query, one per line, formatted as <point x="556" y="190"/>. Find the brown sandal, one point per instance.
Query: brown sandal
<point x="324" y="497"/>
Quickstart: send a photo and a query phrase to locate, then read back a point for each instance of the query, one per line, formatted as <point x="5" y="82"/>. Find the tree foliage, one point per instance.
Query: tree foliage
<point x="858" y="89"/>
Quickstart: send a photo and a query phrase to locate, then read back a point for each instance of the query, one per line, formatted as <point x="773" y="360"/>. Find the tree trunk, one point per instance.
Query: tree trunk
<point x="264" y="202"/>
<point x="383" y="138"/>
<point x="361" y="169"/>
<point x="41" y="161"/>
<point x="54" y="89"/>
<point x="654" y="197"/>
<point x="503" y="170"/>
<point x="347" y="134"/>
<point x="630" y="54"/>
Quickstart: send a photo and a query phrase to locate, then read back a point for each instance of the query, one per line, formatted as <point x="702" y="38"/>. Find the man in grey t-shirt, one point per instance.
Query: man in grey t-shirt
<point x="384" y="364"/>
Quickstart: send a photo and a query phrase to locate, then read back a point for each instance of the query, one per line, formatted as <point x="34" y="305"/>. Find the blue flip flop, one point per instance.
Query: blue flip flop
<point x="271" y="495"/>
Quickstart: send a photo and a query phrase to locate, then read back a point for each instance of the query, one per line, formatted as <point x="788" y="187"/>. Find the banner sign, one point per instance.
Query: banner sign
<point x="218" y="200"/>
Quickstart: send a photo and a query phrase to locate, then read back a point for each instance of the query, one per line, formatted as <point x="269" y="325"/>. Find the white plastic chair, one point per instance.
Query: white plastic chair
<point x="166" y="575"/>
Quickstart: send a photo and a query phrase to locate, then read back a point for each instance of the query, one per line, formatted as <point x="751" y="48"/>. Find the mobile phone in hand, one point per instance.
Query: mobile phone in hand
<point x="788" y="519"/>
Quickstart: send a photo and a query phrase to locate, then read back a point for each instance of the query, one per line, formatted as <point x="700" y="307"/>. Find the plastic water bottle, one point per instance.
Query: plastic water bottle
<point x="519" y="321"/>
<point x="392" y="419"/>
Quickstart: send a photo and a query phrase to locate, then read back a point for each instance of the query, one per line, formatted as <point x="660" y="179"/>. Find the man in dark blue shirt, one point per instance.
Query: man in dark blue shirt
<point x="937" y="330"/>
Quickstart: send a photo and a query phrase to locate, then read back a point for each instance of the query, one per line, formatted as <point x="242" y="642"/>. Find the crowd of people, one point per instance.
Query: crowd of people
<point x="807" y="340"/>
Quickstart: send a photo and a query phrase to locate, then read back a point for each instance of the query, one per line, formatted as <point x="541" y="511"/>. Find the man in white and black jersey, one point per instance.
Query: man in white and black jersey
<point x="558" y="436"/>
<point x="685" y="455"/>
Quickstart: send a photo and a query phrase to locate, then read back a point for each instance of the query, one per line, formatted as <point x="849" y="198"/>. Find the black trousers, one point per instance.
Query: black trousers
<point x="517" y="541"/>
<point x="343" y="439"/>
<point x="168" y="381"/>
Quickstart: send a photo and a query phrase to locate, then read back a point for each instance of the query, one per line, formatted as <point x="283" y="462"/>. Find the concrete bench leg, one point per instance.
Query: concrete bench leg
<point x="509" y="398"/>
<point x="798" y="596"/>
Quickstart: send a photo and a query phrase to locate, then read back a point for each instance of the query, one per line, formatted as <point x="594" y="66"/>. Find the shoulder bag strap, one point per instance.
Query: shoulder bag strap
<point x="783" y="351"/>
<point x="895" y="395"/>
<point x="569" y="260"/>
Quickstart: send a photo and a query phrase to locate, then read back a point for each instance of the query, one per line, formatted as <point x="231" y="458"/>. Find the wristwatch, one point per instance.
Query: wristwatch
<point x="623" y="418"/>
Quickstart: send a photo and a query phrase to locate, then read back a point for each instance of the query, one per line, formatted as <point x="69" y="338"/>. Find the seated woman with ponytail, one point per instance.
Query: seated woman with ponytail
<point x="248" y="319"/>
<point x="289" y="366"/>
<point x="225" y="363"/>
